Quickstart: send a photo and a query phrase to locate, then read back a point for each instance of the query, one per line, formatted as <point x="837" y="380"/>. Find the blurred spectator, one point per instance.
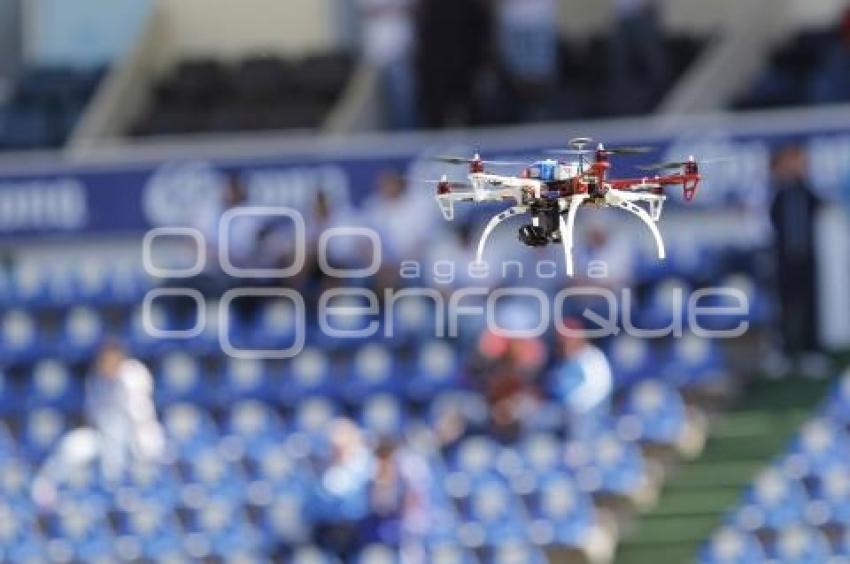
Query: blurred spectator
<point x="637" y="55"/>
<point x="397" y="496"/>
<point x="119" y="405"/>
<point x="528" y="43"/>
<point x="831" y="79"/>
<point x="454" y="42"/>
<point x="609" y="257"/>
<point x="505" y="371"/>
<point x="343" y="500"/>
<point x="389" y="45"/>
<point x="793" y="213"/>
<point x="397" y="215"/>
<point x="583" y="382"/>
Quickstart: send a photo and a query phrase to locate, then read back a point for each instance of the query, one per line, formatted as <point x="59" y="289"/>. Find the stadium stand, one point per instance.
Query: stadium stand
<point x="257" y="93"/>
<point x="796" y="508"/>
<point x="44" y="107"/>
<point x="241" y="481"/>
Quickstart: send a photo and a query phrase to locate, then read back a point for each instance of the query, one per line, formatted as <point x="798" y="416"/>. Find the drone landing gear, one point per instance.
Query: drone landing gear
<point x="568" y="227"/>
<point x="647" y="219"/>
<point x="494" y="222"/>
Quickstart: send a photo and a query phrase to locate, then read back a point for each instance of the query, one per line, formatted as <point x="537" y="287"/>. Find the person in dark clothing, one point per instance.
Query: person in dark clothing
<point x="793" y="214"/>
<point x="454" y="43"/>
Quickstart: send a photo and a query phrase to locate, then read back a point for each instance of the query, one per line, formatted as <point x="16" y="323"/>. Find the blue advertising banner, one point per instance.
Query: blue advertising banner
<point x="118" y="195"/>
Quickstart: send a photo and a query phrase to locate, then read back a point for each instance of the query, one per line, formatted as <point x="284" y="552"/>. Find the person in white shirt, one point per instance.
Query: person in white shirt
<point x="389" y="46"/>
<point x="582" y="380"/>
<point x="119" y="406"/>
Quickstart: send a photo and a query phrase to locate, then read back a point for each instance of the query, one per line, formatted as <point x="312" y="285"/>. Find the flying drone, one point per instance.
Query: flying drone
<point x="552" y="190"/>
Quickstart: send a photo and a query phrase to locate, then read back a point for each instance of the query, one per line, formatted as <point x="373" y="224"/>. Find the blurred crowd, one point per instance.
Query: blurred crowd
<point x="812" y="68"/>
<point x="460" y="62"/>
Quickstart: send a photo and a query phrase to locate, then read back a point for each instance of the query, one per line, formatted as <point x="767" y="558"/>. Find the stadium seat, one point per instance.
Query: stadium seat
<point x="80" y="531"/>
<point x="180" y="379"/>
<point x="53" y="385"/>
<point x="799" y="544"/>
<point x="191" y="428"/>
<point x="309" y="374"/>
<point x="82" y="332"/>
<point x="373" y="371"/>
<point x="694" y="362"/>
<point x="383" y="415"/>
<point x="42" y="428"/>
<point x="607" y="465"/>
<point x="632" y="360"/>
<point x="436" y="371"/>
<point x="653" y="413"/>
<point x="731" y="546"/>
<point x="774" y="502"/>
<point x="20" y="336"/>
<point x="151" y="530"/>
<point x="491" y="515"/>
<point x="255" y="426"/>
<point x="560" y="514"/>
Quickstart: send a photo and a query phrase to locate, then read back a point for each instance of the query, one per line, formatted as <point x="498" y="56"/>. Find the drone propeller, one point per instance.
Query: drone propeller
<point x="448" y="159"/>
<point x="680" y="164"/>
<point x="629" y="150"/>
<point x="579" y="142"/>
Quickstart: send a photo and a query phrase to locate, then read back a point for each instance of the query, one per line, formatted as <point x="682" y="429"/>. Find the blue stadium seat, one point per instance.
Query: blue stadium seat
<point x="245" y="378"/>
<point x="607" y="465"/>
<point x="82" y="530"/>
<point x="190" y="428"/>
<point x="180" y="379"/>
<point x="514" y="553"/>
<point x="20" y="336"/>
<point x="665" y="306"/>
<point x="373" y="371"/>
<point x="561" y="514"/>
<point x="731" y="546"/>
<point x="654" y="413"/>
<point x="42" y="428"/>
<point x="30" y="284"/>
<point x="376" y="554"/>
<point x="820" y="444"/>
<point x="255" y="426"/>
<point x="694" y="362"/>
<point x="286" y="519"/>
<point x="152" y="530"/>
<point x="309" y="374"/>
<point x="313" y="415"/>
<point x="449" y="554"/>
<point x="800" y="544"/>
<point x="774" y="501"/>
<point x="276" y="326"/>
<point x="492" y="515"/>
<point x="632" y="360"/>
<point x="838" y="405"/>
<point x="831" y="495"/>
<point x="149" y="483"/>
<point x="413" y="319"/>
<point x="52" y="385"/>
<point x="216" y="475"/>
<point x="20" y="539"/>
<point x="81" y="333"/>
<point x="220" y="529"/>
<point x="15" y="476"/>
<point x="313" y="555"/>
<point x="383" y="415"/>
<point x="436" y="370"/>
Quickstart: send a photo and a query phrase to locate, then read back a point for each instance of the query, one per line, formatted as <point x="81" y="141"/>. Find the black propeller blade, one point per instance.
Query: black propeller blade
<point x="448" y="159"/>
